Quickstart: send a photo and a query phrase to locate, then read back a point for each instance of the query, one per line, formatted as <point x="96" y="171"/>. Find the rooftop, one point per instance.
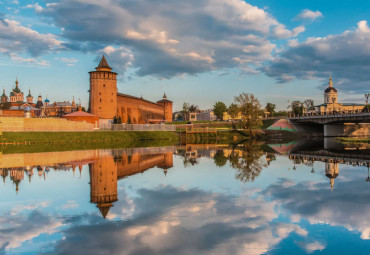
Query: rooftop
<point x="79" y="114"/>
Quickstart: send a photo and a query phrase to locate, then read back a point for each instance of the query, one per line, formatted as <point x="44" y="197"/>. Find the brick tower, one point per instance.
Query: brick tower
<point x="103" y="183"/>
<point x="103" y="91"/>
<point x="167" y="105"/>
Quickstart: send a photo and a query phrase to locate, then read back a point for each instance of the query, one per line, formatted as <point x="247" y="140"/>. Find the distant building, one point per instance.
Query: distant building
<point x="331" y="104"/>
<point x="331" y="171"/>
<point x="82" y="117"/>
<point x="58" y="109"/>
<point x="193" y="116"/>
<point x="227" y="117"/>
<point x="206" y="115"/>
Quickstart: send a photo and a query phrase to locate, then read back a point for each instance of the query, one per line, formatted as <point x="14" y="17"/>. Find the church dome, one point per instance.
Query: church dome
<point x="330" y="89"/>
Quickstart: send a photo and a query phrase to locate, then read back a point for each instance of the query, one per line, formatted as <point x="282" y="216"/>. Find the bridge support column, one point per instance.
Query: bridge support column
<point x="347" y="130"/>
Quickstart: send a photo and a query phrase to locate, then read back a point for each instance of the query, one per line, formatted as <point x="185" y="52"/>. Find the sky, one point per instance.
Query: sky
<point x="196" y="51"/>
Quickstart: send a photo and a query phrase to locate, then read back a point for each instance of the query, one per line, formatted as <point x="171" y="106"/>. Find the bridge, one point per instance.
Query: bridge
<point x="351" y="124"/>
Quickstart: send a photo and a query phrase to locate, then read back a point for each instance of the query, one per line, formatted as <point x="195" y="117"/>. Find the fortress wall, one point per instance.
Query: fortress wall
<point x="10" y="124"/>
<point x="136" y="108"/>
<point x="46" y="158"/>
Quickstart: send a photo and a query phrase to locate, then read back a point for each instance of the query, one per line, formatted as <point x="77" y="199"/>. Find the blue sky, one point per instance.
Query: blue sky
<point x="195" y="51"/>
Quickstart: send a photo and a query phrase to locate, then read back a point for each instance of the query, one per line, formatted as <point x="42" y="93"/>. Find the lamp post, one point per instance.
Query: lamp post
<point x="367" y="101"/>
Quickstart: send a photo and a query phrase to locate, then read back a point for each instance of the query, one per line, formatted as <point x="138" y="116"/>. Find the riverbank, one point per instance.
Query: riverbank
<point x="18" y="142"/>
<point x="354" y="139"/>
<point x="12" y="142"/>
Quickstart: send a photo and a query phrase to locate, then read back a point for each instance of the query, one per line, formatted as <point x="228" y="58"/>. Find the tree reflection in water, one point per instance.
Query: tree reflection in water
<point x="246" y="158"/>
<point x="248" y="161"/>
<point x="219" y="158"/>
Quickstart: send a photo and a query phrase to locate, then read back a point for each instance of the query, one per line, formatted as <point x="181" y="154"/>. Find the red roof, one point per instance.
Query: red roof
<point x="79" y="114"/>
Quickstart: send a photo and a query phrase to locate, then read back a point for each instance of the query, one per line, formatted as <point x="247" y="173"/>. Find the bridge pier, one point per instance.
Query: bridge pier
<point x="346" y="129"/>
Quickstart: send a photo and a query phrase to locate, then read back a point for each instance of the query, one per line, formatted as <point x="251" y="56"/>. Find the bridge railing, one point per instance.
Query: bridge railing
<point x="343" y="115"/>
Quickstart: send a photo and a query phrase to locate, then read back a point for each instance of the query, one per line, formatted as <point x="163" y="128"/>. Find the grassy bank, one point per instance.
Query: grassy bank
<point x="354" y="139"/>
<point x="13" y="142"/>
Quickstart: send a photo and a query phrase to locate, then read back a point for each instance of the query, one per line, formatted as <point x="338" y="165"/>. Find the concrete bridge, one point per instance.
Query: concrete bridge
<point x="352" y="124"/>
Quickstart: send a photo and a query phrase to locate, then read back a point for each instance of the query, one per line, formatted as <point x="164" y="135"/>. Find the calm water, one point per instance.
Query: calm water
<point x="294" y="198"/>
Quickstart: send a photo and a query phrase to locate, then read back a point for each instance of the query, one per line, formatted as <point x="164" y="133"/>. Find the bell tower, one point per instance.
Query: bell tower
<point x="103" y="91"/>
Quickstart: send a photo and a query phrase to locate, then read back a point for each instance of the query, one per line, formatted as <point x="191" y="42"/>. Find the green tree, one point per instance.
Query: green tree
<point x="309" y="104"/>
<point x="185" y="110"/>
<point x="219" y="158"/>
<point x="119" y="120"/>
<point x="218" y="109"/>
<point x="250" y="109"/>
<point x="129" y="120"/>
<point x="296" y="107"/>
<point x="193" y="108"/>
<point x="233" y="111"/>
<point x="5" y="106"/>
<point x="114" y="120"/>
<point x="270" y="108"/>
<point x="366" y="108"/>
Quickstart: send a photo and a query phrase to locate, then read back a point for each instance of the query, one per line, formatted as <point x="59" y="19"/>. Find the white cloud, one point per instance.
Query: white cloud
<point x="346" y="56"/>
<point x="309" y="15"/>
<point x="38" y="8"/>
<point x="281" y="32"/>
<point x="68" y="61"/>
<point x="16" y="38"/>
<point x="314" y="246"/>
<point x="32" y="61"/>
<point x="172" y="38"/>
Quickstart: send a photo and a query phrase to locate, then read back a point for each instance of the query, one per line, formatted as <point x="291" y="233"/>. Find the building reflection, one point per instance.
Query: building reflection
<point x="332" y="161"/>
<point x="106" y="167"/>
<point x="103" y="183"/>
<point x="331" y="171"/>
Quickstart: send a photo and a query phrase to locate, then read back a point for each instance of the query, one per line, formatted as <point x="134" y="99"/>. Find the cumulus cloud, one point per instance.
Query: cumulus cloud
<point x="16" y="38"/>
<point x="171" y="38"/>
<point x="309" y="15"/>
<point x="167" y="220"/>
<point x="38" y="8"/>
<point x="68" y="61"/>
<point x="314" y="246"/>
<point x="345" y="206"/>
<point x="346" y="56"/>
<point x="30" y="61"/>
<point x="19" y="228"/>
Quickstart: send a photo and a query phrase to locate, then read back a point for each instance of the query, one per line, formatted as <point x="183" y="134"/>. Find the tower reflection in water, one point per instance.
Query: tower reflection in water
<point x="106" y="167"/>
<point x="111" y="166"/>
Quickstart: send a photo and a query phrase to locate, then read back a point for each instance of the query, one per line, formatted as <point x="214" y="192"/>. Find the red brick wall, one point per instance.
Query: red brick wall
<point x="139" y="110"/>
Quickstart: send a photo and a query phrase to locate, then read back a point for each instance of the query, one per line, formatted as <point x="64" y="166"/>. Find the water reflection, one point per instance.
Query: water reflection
<point x="247" y="198"/>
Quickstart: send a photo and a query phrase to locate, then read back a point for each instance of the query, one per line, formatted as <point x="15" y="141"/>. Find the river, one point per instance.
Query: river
<point x="301" y="197"/>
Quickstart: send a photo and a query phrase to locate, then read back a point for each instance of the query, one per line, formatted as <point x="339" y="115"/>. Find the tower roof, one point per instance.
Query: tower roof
<point x="330" y="88"/>
<point x="103" y="64"/>
<point x="104" y="209"/>
<point x="164" y="99"/>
